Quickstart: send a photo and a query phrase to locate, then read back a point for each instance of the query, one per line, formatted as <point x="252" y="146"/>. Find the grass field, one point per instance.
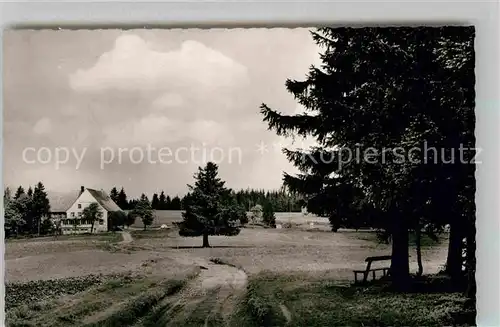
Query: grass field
<point x="302" y="300"/>
<point x="161" y="279"/>
<point x="168" y="217"/>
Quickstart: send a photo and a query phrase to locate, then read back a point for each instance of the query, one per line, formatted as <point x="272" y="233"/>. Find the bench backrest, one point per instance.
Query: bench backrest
<point x="379" y="258"/>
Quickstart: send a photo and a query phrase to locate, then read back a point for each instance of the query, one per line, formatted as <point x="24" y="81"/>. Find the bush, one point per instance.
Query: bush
<point x="268" y="215"/>
<point x="244" y="220"/>
<point x="116" y="219"/>
<point x="256" y="213"/>
<point x="130" y="219"/>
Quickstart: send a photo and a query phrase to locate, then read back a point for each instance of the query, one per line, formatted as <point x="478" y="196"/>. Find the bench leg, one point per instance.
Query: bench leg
<point x="355" y="277"/>
<point x="367" y="271"/>
<point x="373" y="274"/>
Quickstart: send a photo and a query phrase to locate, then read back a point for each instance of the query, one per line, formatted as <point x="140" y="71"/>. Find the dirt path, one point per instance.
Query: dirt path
<point x="210" y="297"/>
<point x="127" y="238"/>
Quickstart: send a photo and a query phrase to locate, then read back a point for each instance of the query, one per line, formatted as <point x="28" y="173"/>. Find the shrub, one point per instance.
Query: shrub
<point x="268" y="215"/>
<point x="256" y="213"/>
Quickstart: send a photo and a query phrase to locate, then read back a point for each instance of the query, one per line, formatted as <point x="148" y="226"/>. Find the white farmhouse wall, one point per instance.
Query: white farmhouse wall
<point x="75" y="212"/>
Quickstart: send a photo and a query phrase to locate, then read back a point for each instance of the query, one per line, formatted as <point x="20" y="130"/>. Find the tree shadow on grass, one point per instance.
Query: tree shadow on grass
<point x="213" y="247"/>
<point x="427" y="284"/>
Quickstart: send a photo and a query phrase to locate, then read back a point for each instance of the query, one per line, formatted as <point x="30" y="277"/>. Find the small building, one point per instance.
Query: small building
<point x="66" y="211"/>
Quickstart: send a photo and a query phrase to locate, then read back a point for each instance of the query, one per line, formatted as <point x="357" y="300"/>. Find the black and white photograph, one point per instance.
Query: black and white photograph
<point x="247" y="177"/>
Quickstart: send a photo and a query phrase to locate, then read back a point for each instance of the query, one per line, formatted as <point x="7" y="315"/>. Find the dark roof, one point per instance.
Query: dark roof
<point x="61" y="202"/>
<point x="104" y="200"/>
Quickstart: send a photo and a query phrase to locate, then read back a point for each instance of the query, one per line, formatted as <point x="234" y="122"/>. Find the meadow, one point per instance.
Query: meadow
<point x="261" y="277"/>
<point x="169" y="217"/>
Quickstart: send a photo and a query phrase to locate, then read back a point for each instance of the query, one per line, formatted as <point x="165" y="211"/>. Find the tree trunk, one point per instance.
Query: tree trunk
<point x="454" y="259"/>
<point x="205" y="240"/>
<point x="400" y="265"/>
<point x="418" y="243"/>
<point x="92" y="228"/>
<point x="471" y="263"/>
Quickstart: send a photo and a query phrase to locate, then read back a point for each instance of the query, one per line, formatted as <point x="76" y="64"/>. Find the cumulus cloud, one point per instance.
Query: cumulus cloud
<point x="133" y="65"/>
<point x="160" y="87"/>
<point x="159" y="130"/>
<point x="151" y="129"/>
<point x="168" y="100"/>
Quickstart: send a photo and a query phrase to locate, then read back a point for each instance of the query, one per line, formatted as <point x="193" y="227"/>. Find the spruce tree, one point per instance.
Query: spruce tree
<point x="210" y="208"/>
<point x="268" y="216"/>
<point x="168" y="203"/>
<point x="176" y="203"/>
<point x="379" y="89"/>
<point x="19" y="192"/>
<point x="114" y="195"/>
<point x="39" y="206"/>
<point x="122" y="200"/>
<point x="162" y="201"/>
<point x="155" y="202"/>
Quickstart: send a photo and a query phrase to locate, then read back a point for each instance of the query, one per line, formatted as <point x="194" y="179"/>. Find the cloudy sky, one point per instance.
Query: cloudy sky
<point x="91" y="93"/>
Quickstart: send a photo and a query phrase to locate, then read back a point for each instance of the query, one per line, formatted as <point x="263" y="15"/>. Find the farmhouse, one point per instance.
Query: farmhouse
<point x="66" y="210"/>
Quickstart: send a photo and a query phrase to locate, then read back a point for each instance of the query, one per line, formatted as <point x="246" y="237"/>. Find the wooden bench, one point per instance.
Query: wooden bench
<point x="369" y="260"/>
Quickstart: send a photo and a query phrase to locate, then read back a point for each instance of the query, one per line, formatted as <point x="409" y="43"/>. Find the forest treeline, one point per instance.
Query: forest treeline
<point x="27" y="210"/>
<point x="281" y="200"/>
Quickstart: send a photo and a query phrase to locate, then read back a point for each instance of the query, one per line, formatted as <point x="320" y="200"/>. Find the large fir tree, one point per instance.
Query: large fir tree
<point x="378" y="89"/>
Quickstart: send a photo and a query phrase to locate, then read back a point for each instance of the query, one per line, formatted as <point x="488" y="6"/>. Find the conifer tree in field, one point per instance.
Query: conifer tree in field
<point x="380" y="89"/>
<point x="268" y="215"/>
<point x="210" y="208"/>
